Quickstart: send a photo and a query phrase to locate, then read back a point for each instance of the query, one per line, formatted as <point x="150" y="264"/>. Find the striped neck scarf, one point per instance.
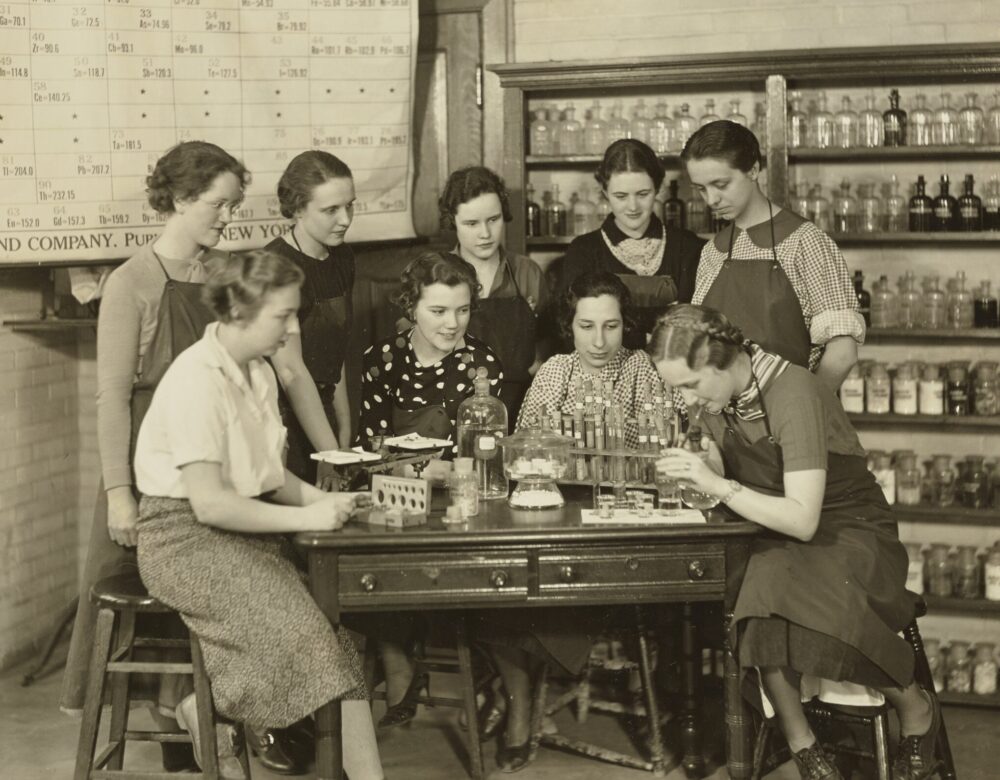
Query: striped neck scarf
<point x="764" y="366"/>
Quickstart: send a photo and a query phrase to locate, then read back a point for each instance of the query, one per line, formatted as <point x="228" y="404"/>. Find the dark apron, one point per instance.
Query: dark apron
<point x="508" y="326"/>
<point x="325" y="335"/>
<point x="849" y="581"/>
<point x="180" y="322"/>
<point x="429" y="421"/>
<point x="651" y="295"/>
<point x="757" y="296"/>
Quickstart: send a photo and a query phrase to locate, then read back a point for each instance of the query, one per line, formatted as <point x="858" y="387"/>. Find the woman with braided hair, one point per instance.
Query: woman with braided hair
<point x="823" y="597"/>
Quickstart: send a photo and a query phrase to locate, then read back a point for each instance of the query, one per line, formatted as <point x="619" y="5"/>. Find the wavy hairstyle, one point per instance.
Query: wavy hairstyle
<point x="434" y="268"/>
<point x="238" y="284"/>
<point x="304" y="173"/>
<point x="464" y="185"/>
<point x="724" y="140"/>
<point x="187" y="170"/>
<point x="592" y="285"/>
<point x="629" y="155"/>
<point x="698" y="334"/>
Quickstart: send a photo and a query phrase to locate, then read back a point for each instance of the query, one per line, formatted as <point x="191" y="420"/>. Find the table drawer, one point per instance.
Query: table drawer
<point x="633" y="574"/>
<point x="431" y="579"/>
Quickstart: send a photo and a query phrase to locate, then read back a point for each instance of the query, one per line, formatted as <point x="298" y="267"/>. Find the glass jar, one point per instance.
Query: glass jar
<point x="897" y="213"/>
<point x="975" y="483"/>
<point x="870" y="218"/>
<point x="820" y="124"/>
<point x="618" y="126"/>
<point x="542" y="133"/>
<point x="870" y="128"/>
<point x="908" y="479"/>
<point x="595" y="131"/>
<point x="661" y="131"/>
<point x="536" y="458"/>
<point x="570" y="133"/>
<point x="852" y="391"/>
<point x="992" y="133"/>
<point x="984" y="669"/>
<point x="958" y="388"/>
<point x="909" y="304"/>
<point x="971" y="122"/>
<point x="845" y="210"/>
<point x="884" y="305"/>
<point x="885" y="475"/>
<point x="877" y="389"/>
<point x="819" y="210"/>
<point x="797" y="123"/>
<point x="959" y="668"/>
<point x="463" y="487"/>
<point x="935" y="660"/>
<point x="709" y="115"/>
<point x="904" y="390"/>
<point x="985" y="392"/>
<point x="734" y="114"/>
<point x="967" y="577"/>
<point x="939" y="571"/>
<point x="991" y="574"/>
<point x="845" y="125"/>
<point x="943" y="479"/>
<point x="961" y="303"/>
<point x="930" y="391"/>
<point x="921" y="121"/>
<point x="944" y="127"/>
<point x="641" y="125"/>
<point x="684" y="127"/>
<point x="935" y="304"/>
<point x="481" y="425"/>
<point x="915" y="569"/>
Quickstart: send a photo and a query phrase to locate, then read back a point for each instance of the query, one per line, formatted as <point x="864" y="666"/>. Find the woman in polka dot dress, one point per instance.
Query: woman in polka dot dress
<point x="413" y="383"/>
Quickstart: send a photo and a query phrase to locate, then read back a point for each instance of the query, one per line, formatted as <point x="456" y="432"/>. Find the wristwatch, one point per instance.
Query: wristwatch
<point x="734" y="488"/>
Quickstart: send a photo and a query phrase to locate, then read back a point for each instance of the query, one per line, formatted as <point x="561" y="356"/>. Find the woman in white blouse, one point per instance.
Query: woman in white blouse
<point x="216" y="504"/>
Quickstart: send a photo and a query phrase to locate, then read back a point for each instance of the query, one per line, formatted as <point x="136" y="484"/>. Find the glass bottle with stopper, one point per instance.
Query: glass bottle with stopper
<point x="481" y="425"/>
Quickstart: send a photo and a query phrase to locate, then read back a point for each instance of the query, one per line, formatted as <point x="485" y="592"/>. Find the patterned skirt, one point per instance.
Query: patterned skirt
<point x="270" y="653"/>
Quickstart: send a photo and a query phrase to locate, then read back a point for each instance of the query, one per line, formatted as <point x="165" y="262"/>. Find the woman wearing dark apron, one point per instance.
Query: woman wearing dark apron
<point x="414" y="383"/>
<point x="151" y="311"/>
<point x="657" y="263"/>
<point x="317" y="191"/>
<point x="824" y="591"/>
<point x="776" y="275"/>
<point x="475" y="204"/>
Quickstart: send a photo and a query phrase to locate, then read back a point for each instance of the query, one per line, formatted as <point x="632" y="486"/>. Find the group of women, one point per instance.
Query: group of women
<point x="245" y="353"/>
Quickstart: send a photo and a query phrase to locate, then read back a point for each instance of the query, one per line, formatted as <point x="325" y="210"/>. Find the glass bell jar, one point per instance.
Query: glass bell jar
<point x="535" y="458"/>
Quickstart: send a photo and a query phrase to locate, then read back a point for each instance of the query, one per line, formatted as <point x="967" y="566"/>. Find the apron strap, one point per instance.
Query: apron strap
<point x="160" y="262"/>
<point x="770" y="222"/>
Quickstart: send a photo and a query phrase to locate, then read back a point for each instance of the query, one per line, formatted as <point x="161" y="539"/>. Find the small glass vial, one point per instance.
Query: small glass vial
<point x="967" y="574"/>
<point x="595" y="131"/>
<point x="958" y="388"/>
<point x="570" y="133"/>
<point x="935" y="660"/>
<point x="709" y="116"/>
<point x="944" y="130"/>
<point x="870" y="130"/>
<point x="845" y="125"/>
<point x="820" y="124"/>
<point x="734" y="114"/>
<point x="896" y="211"/>
<point x="984" y="669"/>
<point x="852" y="391"/>
<point x="971" y="122"/>
<point x="909" y="304"/>
<point x="935" y="307"/>
<point x="930" y="391"/>
<point x="641" y="124"/>
<point x="884" y="306"/>
<point x="986" y="313"/>
<point x="894" y="122"/>
<point x="463" y="487"/>
<point x="991" y="574"/>
<point x="877" y="389"/>
<point x="943" y="480"/>
<point x="959" y="668"/>
<point x="921" y="122"/>
<point x="904" y="390"/>
<point x="939" y="571"/>
<point x="908" y="479"/>
<point x="915" y="569"/>
<point x="985" y="390"/>
<point x="797" y="123"/>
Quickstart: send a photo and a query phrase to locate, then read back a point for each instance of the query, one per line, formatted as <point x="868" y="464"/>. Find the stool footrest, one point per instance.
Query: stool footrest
<point x="158" y="736"/>
<point x="107" y="774"/>
<point x="105" y="755"/>
<point x="152" y="667"/>
<point x="601" y="754"/>
<point x="154" y="641"/>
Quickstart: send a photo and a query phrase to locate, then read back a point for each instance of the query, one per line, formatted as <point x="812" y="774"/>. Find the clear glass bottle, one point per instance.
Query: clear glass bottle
<point x="935" y="660"/>
<point x="870" y="219"/>
<point x="595" y="132"/>
<point x="935" y="309"/>
<point x="896" y="209"/>
<point x="819" y="210"/>
<point x="820" y="124"/>
<point x="921" y="208"/>
<point x="845" y="210"/>
<point x="908" y="479"/>
<point x="557" y="215"/>
<point x="975" y="493"/>
<point x="542" y="133"/>
<point x="481" y="423"/>
<point x="957" y="389"/>
<point x="915" y="568"/>
<point x="971" y="122"/>
<point x="959" y="667"/>
<point x="945" y="209"/>
<point x="921" y="122"/>
<point x="697" y="214"/>
<point x="930" y="391"/>
<point x="939" y="571"/>
<point x="968" y="576"/>
<point x="878" y="389"/>
<point x="884" y="309"/>
<point x="673" y="207"/>
<point x="985" y="310"/>
<point x="463" y="487"/>
<point x="641" y="124"/>
<point x="970" y="207"/>
<point x="533" y="214"/>
<point x="584" y="214"/>
<point x="661" y="132"/>
<point x="684" y="127"/>
<point x="618" y="125"/>
<point x="870" y="131"/>
<point x="991" y="204"/>
<point x="864" y="297"/>
<point x="845" y="125"/>
<point x="852" y="391"/>
<point x="991" y="574"/>
<point x="759" y="127"/>
<point x="798" y="198"/>
<point x="798" y="132"/>
<point x="943" y="481"/>
<point x="944" y="130"/>
<point x="894" y="122"/>
<point x="570" y="133"/>
<point x="984" y="669"/>
<point x="734" y="114"/>
<point x="910" y="302"/>
<point x="992" y="130"/>
<point x="545" y="213"/>
<point x="961" y="306"/>
<point x="709" y="116"/>
<point x="904" y="390"/>
<point x="985" y="391"/>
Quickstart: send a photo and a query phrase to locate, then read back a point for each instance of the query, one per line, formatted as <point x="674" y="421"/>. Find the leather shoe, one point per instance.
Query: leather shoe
<point x="514" y="759"/>
<point x="916" y="756"/>
<point x="274" y="751"/>
<point x="814" y="764"/>
<point x="178" y="757"/>
<point x="301" y="738"/>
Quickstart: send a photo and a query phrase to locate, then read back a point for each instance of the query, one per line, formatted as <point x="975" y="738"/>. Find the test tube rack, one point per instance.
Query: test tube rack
<point x="398" y="502"/>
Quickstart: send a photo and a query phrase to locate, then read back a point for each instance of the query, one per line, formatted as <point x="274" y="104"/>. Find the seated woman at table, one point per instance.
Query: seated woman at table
<point x="413" y="383"/>
<point x="824" y="591"/>
<point x="209" y="450"/>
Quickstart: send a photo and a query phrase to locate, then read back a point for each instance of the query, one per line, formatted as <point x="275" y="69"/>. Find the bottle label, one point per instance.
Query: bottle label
<point x="931" y="397"/>
<point x="486" y="443"/>
<point x="970" y="212"/>
<point x="992" y="572"/>
<point x="852" y="395"/>
<point x="919" y="208"/>
<point x="942" y="212"/>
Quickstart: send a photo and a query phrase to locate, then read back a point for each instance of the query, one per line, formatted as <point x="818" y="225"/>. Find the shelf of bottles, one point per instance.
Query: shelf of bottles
<point x="959" y="335"/>
<point x="954" y="515"/>
<point x="862" y="153"/>
<point x="50" y="324"/>
<point x="959" y="606"/>
<point x="934" y="422"/>
<point x="991" y="701"/>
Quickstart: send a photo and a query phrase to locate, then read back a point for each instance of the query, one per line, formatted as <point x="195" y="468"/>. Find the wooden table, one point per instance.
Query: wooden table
<point x="507" y="558"/>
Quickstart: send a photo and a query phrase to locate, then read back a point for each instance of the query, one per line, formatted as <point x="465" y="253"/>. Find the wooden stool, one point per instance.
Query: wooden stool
<point x="826" y="718"/>
<point x="119" y="600"/>
<point x="460" y="664"/>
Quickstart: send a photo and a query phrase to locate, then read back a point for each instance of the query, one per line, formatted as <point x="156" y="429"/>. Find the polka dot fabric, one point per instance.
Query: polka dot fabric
<point x="392" y="376"/>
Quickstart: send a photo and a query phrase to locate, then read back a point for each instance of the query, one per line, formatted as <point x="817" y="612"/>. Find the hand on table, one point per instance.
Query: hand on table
<point x="333" y="510"/>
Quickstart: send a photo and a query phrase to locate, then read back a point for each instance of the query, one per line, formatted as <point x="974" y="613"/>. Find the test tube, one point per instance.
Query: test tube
<point x="654" y="447"/>
<point x="600" y="439"/>
<point x="581" y="462"/>
<point x="589" y="441"/>
<point x="640" y="463"/>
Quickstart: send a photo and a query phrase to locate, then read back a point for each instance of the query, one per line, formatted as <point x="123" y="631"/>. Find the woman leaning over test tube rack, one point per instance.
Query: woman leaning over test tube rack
<point x="413" y="383"/>
<point x="151" y="310"/>
<point x="210" y="448"/>
<point x="317" y="192"/>
<point x="823" y="597"/>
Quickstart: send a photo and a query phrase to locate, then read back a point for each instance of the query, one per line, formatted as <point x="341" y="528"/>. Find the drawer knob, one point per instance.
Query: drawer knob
<point x="567" y="573"/>
<point x="696" y="570"/>
<point x="498" y="578"/>
<point x="369" y="582"/>
<point x="631" y="563"/>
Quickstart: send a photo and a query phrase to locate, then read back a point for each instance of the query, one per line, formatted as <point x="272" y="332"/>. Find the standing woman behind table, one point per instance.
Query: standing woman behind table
<point x="475" y="204"/>
<point x="777" y="276"/>
<point x="824" y="591"/>
<point x="151" y="310"/>
<point x="317" y="191"/>
<point x="657" y="263"/>
<point x="414" y="383"/>
<point x="209" y="450"/>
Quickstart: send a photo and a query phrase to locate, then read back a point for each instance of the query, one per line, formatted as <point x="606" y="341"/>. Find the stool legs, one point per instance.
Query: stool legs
<point x="922" y="674"/>
<point x="125" y="637"/>
<point x="469" y="698"/>
<point x="652" y="708"/>
<point x="880" y="733"/>
<point x="693" y="762"/>
<point x="206" y="715"/>
<point x="94" y="701"/>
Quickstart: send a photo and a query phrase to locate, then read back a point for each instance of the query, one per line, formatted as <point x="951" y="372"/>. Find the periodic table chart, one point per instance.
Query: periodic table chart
<point x="92" y="92"/>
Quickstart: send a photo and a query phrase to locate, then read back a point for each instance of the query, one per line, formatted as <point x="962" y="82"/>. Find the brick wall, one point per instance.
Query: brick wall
<point x="43" y="475"/>
<point x="575" y="29"/>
